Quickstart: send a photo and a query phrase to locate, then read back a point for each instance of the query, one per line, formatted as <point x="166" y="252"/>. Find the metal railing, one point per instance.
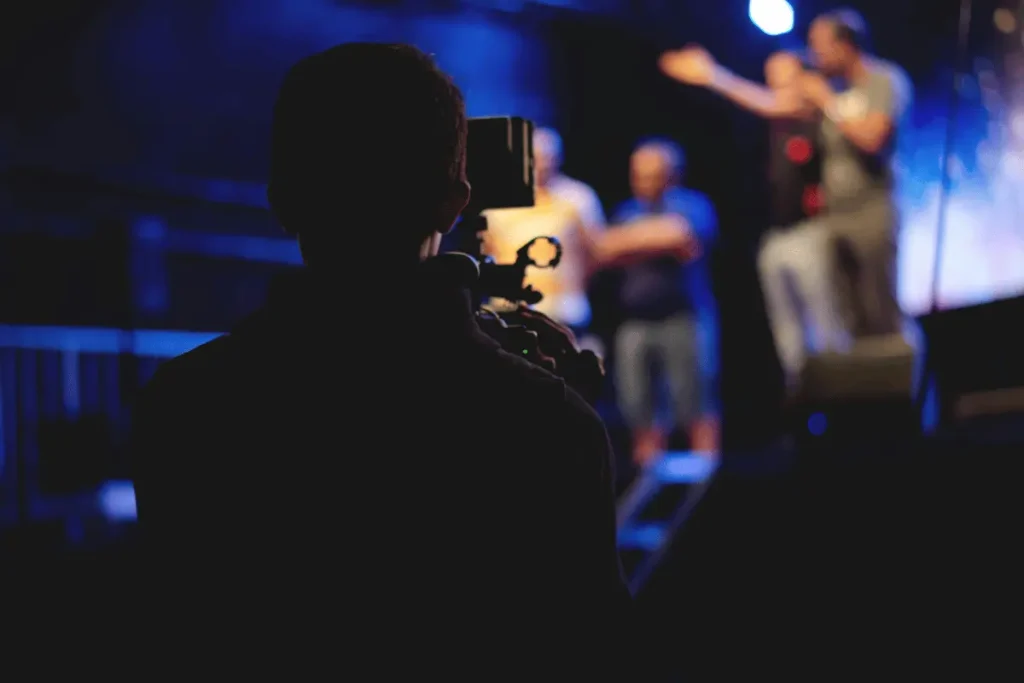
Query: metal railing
<point x="49" y="374"/>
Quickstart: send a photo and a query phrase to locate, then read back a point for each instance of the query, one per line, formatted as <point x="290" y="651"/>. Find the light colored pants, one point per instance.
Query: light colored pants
<point x="865" y="242"/>
<point x="798" y="270"/>
<point x="679" y="354"/>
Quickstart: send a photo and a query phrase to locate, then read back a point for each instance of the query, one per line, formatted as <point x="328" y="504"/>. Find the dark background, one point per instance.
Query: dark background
<point x="133" y="140"/>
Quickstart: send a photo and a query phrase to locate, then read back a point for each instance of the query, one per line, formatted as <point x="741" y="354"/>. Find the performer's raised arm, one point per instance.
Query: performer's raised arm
<point x="695" y="66"/>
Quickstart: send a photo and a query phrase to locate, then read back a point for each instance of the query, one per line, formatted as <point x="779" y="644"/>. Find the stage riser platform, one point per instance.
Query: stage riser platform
<point x="975" y="359"/>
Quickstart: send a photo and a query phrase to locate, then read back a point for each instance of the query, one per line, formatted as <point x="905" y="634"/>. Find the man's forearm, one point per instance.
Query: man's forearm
<point x="865" y="135"/>
<point x="868" y="133"/>
<point x="642" y="239"/>
<point x="753" y="97"/>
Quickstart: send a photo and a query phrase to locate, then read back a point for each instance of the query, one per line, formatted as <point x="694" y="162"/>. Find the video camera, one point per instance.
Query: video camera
<point x="500" y="170"/>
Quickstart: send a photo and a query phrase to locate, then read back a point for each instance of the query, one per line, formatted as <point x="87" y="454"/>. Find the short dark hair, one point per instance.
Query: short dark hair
<point x="850" y="27"/>
<point x="670" y="149"/>
<point x="364" y="129"/>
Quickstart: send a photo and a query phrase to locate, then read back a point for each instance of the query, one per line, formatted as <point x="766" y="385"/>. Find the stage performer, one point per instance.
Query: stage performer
<point x="862" y="112"/>
<point x="797" y="259"/>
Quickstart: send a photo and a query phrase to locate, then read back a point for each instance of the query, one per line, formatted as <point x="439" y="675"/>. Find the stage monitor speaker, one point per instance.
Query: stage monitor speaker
<point x="850" y="400"/>
<point x="876" y="367"/>
<point x="975" y="360"/>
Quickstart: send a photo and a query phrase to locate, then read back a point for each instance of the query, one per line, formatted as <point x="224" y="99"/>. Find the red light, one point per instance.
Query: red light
<point x="812" y="200"/>
<point x="798" y="149"/>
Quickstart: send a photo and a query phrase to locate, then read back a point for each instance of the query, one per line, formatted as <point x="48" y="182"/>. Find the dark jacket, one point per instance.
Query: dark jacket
<point x="387" y="479"/>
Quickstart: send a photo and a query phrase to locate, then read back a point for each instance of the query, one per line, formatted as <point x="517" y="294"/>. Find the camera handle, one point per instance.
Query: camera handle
<point x="504" y="281"/>
<point x="469" y="235"/>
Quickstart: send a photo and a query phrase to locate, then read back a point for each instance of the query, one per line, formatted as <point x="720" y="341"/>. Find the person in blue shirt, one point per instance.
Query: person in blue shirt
<point x="670" y="311"/>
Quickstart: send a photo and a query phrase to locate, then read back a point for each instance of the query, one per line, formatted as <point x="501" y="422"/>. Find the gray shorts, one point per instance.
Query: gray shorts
<point x="674" y="359"/>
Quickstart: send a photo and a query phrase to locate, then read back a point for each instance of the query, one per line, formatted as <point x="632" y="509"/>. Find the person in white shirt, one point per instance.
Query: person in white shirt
<point x="566" y="209"/>
<point x="547" y="170"/>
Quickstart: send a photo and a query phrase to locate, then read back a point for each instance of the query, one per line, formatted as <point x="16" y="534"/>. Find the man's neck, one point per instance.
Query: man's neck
<point x="656" y="203"/>
<point x="857" y="71"/>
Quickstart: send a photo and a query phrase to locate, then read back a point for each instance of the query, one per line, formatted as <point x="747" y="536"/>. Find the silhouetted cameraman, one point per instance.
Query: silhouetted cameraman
<point x="330" y="471"/>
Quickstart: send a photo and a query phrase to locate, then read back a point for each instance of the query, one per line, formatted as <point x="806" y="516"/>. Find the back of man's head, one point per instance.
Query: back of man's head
<point x="368" y="150"/>
<point x="850" y="27"/>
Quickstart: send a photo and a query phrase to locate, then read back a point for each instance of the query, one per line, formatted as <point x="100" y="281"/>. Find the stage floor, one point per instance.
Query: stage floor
<point x="894" y="547"/>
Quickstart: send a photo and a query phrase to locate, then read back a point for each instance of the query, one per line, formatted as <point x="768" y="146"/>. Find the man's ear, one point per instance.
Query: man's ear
<point x="456" y="204"/>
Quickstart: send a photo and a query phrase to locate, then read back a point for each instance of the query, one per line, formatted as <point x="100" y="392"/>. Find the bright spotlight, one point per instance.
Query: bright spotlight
<point x="774" y="17"/>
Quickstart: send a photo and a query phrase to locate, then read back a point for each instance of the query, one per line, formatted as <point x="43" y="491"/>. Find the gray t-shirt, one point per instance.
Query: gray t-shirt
<point x="849" y="175"/>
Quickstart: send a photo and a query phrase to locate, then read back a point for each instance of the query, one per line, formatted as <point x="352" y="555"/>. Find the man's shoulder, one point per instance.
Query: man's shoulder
<point x="886" y="68"/>
<point x="183" y="374"/>
<point x="583" y="419"/>
<point x="560" y="426"/>
<point x="686" y="198"/>
<point x="573" y="189"/>
<point x="501" y="219"/>
<point x="541" y="391"/>
<point x="627" y="210"/>
<point x="687" y="194"/>
<point x="891" y="74"/>
<point x="508" y="372"/>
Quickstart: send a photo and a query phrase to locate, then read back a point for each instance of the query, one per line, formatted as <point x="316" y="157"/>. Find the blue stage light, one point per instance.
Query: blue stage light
<point x="817" y="424"/>
<point x="774" y="17"/>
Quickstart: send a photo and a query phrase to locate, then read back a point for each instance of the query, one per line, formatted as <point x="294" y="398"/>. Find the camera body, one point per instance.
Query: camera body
<point x="500" y="170"/>
<point x="499" y="163"/>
